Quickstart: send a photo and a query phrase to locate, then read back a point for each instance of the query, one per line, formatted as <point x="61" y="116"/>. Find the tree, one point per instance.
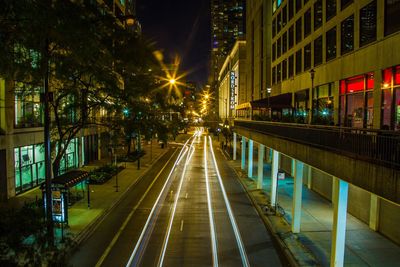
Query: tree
<point x="91" y="57"/>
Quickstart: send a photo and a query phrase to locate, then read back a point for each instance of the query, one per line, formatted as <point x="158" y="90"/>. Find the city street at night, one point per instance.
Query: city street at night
<point x="196" y="214"/>
<point x="200" y="133"/>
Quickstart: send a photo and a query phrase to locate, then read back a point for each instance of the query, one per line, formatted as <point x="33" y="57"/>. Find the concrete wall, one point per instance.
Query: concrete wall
<point x="389" y="220"/>
<point x="321" y="183"/>
<point x="359" y="203"/>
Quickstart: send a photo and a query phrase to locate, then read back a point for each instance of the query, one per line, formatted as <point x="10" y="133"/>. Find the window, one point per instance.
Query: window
<point x="331" y="44"/>
<point x="392" y="14"/>
<point x="290" y="9"/>
<point x="368" y="23"/>
<point x="27" y="106"/>
<point x="298" y="31"/>
<point x="307" y="57"/>
<point x="345" y="3"/>
<point x="29" y="167"/>
<point x="284" y="69"/>
<point x="323" y="105"/>
<point x="299" y="64"/>
<point x="318" y="51"/>
<point x="347" y="38"/>
<point x="278" y="23"/>
<point x="307" y="23"/>
<point x="278" y="73"/>
<point x="274" y="28"/>
<point x="279" y="47"/>
<point x="317" y="14"/>
<point x="291" y="37"/>
<point x="273" y="51"/>
<point x="330" y="9"/>
<point x="284" y="43"/>
<point x="284" y="16"/>
<point x="356" y="101"/>
<point x="298" y="5"/>
<point x="391" y="98"/>
<point x="291" y="66"/>
<point x="274" y="75"/>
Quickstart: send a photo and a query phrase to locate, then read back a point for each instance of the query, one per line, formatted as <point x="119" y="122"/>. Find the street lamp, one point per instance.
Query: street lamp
<point x="268" y="95"/>
<point x="172" y="81"/>
<point x="312" y="74"/>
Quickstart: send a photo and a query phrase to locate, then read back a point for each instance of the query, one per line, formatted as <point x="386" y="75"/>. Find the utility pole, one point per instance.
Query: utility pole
<point x="47" y="97"/>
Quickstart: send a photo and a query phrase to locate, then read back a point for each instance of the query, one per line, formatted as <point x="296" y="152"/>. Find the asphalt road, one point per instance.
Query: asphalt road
<point x="195" y="213"/>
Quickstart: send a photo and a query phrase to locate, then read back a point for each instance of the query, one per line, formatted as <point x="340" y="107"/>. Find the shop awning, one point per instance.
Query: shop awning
<point x="277" y="102"/>
<point x="70" y="179"/>
<point x="246" y="105"/>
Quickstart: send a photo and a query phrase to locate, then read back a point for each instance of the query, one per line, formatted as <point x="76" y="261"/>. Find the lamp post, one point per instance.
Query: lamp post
<point x="312" y="74"/>
<point x="268" y="95"/>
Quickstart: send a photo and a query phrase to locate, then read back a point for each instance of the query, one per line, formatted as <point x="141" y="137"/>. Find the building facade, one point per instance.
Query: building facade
<point x="334" y="63"/>
<point x="227" y="26"/>
<point x="339" y="60"/>
<point x="232" y="82"/>
<point x="22" y="135"/>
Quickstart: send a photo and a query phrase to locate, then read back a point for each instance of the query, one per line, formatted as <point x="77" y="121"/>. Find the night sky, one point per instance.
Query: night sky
<point x="179" y="27"/>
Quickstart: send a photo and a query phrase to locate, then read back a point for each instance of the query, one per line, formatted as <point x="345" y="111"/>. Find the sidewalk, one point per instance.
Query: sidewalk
<point x="102" y="197"/>
<point x="312" y="246"/>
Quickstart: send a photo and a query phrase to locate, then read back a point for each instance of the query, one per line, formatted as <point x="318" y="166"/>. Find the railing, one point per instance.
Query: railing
<point x="381" y="147"/>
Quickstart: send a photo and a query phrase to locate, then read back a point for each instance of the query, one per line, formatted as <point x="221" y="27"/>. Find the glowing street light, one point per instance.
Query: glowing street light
<point x="172" y="81"/>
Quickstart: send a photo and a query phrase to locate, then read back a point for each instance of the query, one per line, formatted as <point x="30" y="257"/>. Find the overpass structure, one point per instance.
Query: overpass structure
<point x="358" y="170"/>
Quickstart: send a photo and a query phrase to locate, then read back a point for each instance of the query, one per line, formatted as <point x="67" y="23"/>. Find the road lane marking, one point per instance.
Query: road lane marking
<point x="210" y="211"/>
<point x="239" y="241"/>
<point x="114" y="240"/>
<point x="181" y="226"/>
<point x="166" y="239"/>
<point x="131" y="258"/>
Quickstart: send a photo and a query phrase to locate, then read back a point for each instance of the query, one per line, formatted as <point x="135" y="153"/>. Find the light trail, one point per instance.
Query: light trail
<point x="165" y="244"/>
<point x="138" y="243"/>
<point x="239" y="241"/>
<point x="210" y="211"/>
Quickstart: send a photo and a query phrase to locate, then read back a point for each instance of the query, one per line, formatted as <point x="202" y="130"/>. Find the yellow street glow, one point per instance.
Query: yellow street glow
<point x="172" y="81"/>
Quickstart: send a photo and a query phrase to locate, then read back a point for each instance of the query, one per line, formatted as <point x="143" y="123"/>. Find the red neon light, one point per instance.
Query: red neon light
<point x="387" y="76"/>
<point x="342" y="87"/>
<point x="355" y="84"/>
<point x="397" y="75"/>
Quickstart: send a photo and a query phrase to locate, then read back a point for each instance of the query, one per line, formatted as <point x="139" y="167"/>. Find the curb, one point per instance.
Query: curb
<point x="91" y="227"/>
<point x="284" y="250"/>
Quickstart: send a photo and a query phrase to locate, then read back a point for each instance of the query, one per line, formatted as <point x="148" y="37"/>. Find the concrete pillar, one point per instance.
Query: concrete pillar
<point x="274" y="176"/>
<point x="260" y="172"/>
<point x="234" y="145"/>
<point x="309" y="177"/>
<point x="243" y="152"/>
<point x="339" y="221"/>
<point x="297" y="196"/>
<point x="374" y="212"/>
<point x="250" y="163"/>
<point x="293" y="167"/>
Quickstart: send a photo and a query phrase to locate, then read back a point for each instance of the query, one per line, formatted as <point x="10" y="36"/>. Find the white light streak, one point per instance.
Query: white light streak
<point x="138" y="243"/>
<point x="210" y="211"/>
<point x="165" y="244"/>
<point x="239" y="241"/>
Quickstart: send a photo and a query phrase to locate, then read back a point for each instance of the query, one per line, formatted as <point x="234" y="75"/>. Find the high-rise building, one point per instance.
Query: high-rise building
<point x="227" y="26"/>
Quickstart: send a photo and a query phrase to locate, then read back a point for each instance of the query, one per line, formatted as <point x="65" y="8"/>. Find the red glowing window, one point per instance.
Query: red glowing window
<point x="397" y="75"/>
<point x="387" y="77"/>
<point x="355" y="84"/>
<point x="370" y="81"/>
<point x="342" y="87"/>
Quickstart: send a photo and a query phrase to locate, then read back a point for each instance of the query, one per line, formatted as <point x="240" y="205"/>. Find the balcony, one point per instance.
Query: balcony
<point x="376" y="146"/>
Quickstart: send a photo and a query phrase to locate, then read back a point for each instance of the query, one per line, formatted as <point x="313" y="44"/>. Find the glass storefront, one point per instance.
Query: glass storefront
<point x="301" y="100"/>
<point x="70" y="160"/>
<point x="356" y="101"/>
<point x="391" y="99"/>
<point x="29" y="167"/>
<point x="323" y="105"/>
